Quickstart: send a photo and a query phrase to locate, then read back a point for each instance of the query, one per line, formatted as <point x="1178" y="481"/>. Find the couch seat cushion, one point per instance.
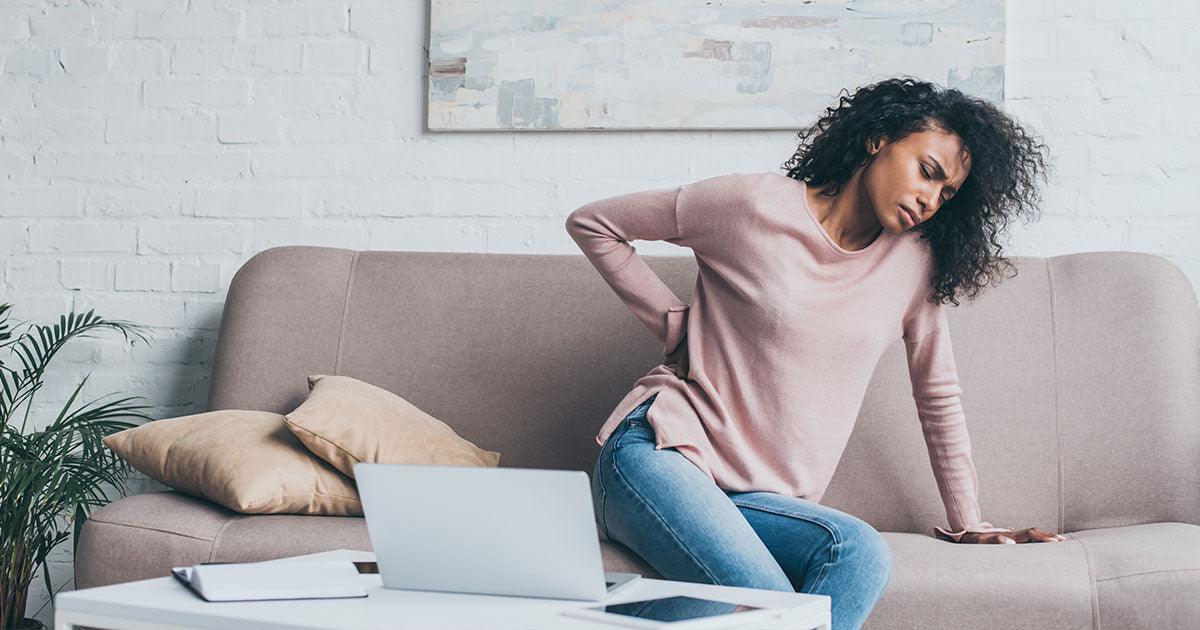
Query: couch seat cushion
<point x="1138" y="576"/>
<point x="1146" y="576"/>
<point x="142" y="536"/>
<point x="939" y="584"/>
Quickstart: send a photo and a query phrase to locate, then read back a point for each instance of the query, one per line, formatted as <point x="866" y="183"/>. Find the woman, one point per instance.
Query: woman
<point x="713" y="465"/>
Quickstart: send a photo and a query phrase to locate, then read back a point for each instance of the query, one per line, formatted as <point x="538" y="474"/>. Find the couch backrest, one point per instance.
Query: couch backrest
<point x="1080" y="376"/>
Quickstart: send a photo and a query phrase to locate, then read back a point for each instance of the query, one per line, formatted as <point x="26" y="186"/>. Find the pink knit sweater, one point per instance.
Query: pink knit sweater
<point x="783" y="332"/>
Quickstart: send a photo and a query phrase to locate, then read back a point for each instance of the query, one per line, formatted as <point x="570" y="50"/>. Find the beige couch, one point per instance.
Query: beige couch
<point x="1081" y="380"/>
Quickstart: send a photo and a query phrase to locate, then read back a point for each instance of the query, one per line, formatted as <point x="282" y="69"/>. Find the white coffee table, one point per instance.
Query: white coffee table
<point x="165" y="604"/>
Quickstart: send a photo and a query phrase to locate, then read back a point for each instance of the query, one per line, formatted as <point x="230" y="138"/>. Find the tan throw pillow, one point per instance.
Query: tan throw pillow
<point x="247" y="461"/>
<point x="345" y="421"/>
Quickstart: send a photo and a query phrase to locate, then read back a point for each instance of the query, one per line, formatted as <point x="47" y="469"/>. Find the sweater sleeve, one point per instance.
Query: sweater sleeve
<point x="603" y="229"/>
<point x="937" y="394"/>
<point x="700" y="215"/>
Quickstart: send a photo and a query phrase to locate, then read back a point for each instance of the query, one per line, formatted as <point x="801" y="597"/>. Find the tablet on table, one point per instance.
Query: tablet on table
<point x="677" y="612"/>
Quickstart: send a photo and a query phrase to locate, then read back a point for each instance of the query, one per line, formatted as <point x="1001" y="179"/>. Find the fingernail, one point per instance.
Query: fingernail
<point x="1009" y="541"/>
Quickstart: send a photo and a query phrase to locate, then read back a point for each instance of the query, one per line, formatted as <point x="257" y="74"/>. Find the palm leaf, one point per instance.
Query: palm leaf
<point x="35" y="350"/>
<point x="50" y="479"/>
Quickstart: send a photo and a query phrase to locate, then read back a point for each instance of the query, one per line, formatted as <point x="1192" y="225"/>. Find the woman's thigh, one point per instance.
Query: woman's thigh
<point x="820" y="548"/>
<point x="666" y="510"/>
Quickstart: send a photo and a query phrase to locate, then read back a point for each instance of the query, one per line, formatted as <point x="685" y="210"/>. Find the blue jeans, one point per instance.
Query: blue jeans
<point x="669" y="512"/>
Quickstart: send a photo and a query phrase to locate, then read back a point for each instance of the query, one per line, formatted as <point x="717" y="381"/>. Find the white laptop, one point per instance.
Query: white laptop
<point x="490" y="530"/>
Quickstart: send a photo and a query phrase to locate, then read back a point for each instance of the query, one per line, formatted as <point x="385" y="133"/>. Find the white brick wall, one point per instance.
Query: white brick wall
<point x="148" y="148"/>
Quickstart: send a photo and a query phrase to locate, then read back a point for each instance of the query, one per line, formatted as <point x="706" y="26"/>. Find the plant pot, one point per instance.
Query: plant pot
<point x="31" y="624"/>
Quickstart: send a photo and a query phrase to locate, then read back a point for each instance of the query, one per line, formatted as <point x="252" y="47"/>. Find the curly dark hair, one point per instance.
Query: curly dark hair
<point x="1005" y="160"/>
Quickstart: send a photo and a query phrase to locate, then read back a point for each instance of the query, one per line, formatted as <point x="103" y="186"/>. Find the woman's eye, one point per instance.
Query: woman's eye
<point x="924" y="172"/>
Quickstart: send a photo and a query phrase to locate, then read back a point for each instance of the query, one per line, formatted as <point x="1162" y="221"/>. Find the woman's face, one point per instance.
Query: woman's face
<point x="920" y="173"/>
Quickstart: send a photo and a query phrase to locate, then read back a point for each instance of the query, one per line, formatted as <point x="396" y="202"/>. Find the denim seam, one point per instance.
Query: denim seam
<point x="834" y="552"/>
<point x="633" y="492"/>
<point x="603" y="497"/>
<point x="833" y="533"/>
<point x="615" y="438"/>
<point x="834" y="549"/>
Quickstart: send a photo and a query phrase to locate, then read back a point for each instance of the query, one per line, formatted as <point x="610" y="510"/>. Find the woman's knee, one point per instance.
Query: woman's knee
<point x="863" y="546"/>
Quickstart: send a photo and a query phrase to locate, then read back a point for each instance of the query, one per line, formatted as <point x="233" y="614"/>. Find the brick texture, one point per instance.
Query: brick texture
<point x="147" y="149"/>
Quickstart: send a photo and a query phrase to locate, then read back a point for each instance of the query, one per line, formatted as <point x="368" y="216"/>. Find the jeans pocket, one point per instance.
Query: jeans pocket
<point x="637" y="431"/>
<point x="638" y="415"/>
<point x="634" y="426"/>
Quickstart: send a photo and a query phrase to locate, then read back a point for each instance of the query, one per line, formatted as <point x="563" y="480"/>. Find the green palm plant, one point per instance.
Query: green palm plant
<point x="50" y="478"/>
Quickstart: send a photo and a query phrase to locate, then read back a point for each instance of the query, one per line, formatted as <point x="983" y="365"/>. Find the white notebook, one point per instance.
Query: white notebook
<point x="245" y="581"/>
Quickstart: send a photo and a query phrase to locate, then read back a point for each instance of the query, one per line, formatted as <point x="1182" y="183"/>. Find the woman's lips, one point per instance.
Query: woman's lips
<point x="911" y="219"/>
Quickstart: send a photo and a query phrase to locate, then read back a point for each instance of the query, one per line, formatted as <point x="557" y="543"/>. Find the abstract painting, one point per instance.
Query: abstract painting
<point x="688" y="64"/>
